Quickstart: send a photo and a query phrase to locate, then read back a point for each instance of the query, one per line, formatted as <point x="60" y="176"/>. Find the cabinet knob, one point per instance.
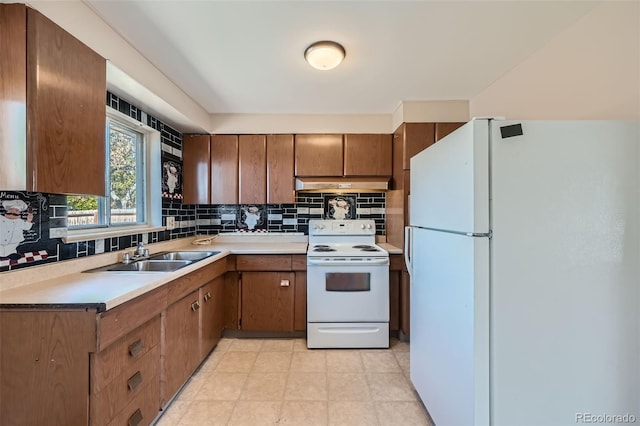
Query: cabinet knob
<point x="134" y="381"/>
<point x="195" y="306"/>
<point x="207" y="296"/>
<point x="135" y="418"/>
<point x="284" y="283"/>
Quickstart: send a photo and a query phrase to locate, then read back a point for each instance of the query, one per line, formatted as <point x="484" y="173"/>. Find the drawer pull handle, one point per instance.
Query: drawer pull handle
<point x="134" y="381"/>
<point x="135" y="418"/>
<point x="136" y="348"/>
<point x="284" y="283"/>
<point x="195" y="306"/>
<point x="207" y="296"/>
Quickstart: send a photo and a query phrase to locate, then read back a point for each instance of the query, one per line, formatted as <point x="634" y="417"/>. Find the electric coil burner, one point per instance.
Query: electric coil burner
<point x="347" y="286"/>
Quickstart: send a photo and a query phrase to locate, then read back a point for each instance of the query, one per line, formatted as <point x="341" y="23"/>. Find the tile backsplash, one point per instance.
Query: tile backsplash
<point x="42" y="243"/>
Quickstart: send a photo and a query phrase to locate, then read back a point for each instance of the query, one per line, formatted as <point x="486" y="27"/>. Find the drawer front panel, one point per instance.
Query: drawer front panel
<point x="113" y="398"/>
<point x="271" y="262"/>
<point x="142" y="409"/>
<point x="122" y="357"/>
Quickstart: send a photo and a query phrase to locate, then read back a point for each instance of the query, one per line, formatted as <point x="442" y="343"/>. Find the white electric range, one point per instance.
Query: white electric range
<point x="347" y="286"/>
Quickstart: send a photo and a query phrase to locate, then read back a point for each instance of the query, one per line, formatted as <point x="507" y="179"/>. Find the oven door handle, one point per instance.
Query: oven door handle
<point x="327" y="262"/>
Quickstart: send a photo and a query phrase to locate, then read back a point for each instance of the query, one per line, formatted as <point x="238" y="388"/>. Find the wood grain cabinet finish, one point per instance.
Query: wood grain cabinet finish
<point x="415" y="137"/>
<point x="63" y="83"/>
<point x="182" y="344"/>
<point x="367" y="155"/>
<point x="224" y="169"/>
<point x="252" y="172"/>
<point x="196" y="169"/>
<point x="280" y="169"/>
<point x="318" y="155"/>
<point x="44" y="366"/>
<point x="267" y="301"/>
<point x="212" y="315"/>
<point x="443" y="129"/>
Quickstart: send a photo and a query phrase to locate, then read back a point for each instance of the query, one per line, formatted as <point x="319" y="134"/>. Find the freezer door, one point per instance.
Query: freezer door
<point x="450" y="181"/>
<point x="565" y="286"/>
<point x="450" y="326"/>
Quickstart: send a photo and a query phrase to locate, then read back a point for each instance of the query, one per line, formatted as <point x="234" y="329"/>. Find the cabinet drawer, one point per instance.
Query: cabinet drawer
<point x="299" y="262"/>
<point x="142" y="409"/>
<point x="123" y="356"/>
<point x="122" y="319"/>
<point x="396" y="263"/>
<point x="129" y="384"/>
<point x="180" y="287"/>
<point x="272" y="262"/>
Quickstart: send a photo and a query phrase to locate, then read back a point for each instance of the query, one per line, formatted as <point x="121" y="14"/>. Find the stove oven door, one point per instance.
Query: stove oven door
<point x="348" y="305"/>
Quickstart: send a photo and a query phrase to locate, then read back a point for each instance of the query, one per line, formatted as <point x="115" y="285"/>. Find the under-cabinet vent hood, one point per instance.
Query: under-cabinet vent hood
<point x="331" y="184"/>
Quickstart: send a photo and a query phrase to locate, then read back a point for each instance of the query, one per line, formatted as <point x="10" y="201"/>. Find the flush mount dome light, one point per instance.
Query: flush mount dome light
<point x="324" y="55"/>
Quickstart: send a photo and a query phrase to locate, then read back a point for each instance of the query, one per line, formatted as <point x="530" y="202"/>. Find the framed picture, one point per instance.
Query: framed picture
<point x="171" y="178"/>
<point x="340" y="207"/>
<point x="252" y="217"/>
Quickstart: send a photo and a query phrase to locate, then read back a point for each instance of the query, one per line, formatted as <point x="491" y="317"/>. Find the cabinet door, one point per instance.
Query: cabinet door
<point x="443" y="129"/>
<point x="224" y="169"/>
<point x="404" y="303"/>
<point x="212" y="315"/>
<point x="367" y="155"/>
<point x="196" y="169"/>
<point x="318" y="155"/>
<point x="417" y="137"/>
<point x="252" y="173"/>
<point x="66" y="111"/>
<point x="280" y="175"/>
<point x="13" y="94"/>
<point x="182" y="338"/>
<point x="267" y="301"/>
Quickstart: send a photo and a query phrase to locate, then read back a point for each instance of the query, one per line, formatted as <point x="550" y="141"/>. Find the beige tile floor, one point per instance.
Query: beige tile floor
<point x="281" y="382"/>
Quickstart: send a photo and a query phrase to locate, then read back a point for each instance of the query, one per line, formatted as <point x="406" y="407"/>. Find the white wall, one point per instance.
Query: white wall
<point x="590" y="71"/>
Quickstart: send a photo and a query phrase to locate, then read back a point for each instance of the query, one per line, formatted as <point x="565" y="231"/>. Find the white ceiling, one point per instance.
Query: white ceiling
<point x="246" y="57"/>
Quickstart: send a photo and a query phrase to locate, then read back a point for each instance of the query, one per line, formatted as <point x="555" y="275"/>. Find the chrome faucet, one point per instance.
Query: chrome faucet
<point x="140" y="250"/>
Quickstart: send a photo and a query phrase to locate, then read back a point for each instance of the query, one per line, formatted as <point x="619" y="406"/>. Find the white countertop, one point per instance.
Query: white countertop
<point x="64" y="284"/>
<point x="67" y="286"/>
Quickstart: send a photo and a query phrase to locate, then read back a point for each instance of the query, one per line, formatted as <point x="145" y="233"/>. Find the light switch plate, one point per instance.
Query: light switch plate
<point x="171" y="222"/>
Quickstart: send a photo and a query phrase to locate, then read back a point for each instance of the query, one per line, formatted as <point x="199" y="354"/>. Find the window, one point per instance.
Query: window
<point x="130" y="159"/>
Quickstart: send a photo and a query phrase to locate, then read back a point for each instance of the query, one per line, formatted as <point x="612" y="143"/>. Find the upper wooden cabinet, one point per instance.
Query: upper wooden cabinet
<point x="196" y="169"/>
<point x="52" y="107"/>
<point x="367" y="155"/>
<point x="252" y="176"/>
<point x="443" y="129"/>
<point x="414" y="137"/>
<point x="359" y="155"/>
<point x="280" y="180"/>
<point x="224" y="169"/>
<point x="318" y="155"/>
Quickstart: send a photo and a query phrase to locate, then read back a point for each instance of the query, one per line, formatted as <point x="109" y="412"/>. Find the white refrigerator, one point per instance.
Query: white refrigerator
<point x="524" y="254"/>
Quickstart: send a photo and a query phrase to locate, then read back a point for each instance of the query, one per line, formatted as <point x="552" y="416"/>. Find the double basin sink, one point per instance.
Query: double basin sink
<point x="160" y="262"/>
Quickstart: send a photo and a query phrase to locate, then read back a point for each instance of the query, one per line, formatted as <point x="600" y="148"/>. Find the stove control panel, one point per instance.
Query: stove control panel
<point x="342" y="227"/>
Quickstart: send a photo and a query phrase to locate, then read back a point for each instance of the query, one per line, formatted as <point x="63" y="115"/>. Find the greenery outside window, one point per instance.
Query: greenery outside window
<point x="130" y="160"/>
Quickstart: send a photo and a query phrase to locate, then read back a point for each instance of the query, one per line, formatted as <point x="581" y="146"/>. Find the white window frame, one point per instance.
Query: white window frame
<point x="153" y="201"/>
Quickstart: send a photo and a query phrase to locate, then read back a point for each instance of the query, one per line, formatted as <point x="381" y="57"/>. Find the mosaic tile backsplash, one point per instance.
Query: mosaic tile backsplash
<point x="41" y="242"/>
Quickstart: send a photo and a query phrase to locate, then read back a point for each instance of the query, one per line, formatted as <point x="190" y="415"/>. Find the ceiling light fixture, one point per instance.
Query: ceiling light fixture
<point x="324" y="55"/>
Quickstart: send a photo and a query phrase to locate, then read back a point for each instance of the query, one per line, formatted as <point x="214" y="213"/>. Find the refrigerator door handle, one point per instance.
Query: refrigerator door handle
<point x="408" y="249"/>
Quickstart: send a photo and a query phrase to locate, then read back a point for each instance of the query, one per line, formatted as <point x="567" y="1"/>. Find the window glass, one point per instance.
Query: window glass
<point x="125" y="183"/>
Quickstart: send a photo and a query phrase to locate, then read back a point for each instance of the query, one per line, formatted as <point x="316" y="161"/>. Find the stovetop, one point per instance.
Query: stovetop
<point x="328" y="238"/>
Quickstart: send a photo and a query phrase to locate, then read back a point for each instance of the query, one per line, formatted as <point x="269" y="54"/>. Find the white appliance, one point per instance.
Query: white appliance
<point x="524" y="258"/>
<point x="347" y="286"/>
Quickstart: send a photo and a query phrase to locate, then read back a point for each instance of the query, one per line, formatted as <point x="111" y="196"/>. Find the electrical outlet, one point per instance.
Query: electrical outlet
<point x="171" y="222"/>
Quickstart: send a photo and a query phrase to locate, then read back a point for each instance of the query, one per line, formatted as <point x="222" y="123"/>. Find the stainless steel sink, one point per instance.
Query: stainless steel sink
<point x="183" y="255"/>
<point x="161" y="262"/>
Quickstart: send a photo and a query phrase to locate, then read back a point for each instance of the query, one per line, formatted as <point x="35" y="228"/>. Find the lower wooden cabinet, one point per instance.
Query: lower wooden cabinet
<point x="182" y="343"/>
<point x="123" y="372"/>
<point x="267" y="301"/>
<point x="212" y="315"/>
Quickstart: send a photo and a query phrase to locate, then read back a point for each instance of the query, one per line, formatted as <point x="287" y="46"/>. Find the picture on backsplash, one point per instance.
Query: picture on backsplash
<point x="252" y="218"/>
<point x="340" y="206"/>
<point x="20" y="224"/>
<point x="171" y="178"/>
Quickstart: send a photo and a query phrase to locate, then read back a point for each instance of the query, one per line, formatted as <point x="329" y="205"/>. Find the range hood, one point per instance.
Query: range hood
<point x="332" y="184"/>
